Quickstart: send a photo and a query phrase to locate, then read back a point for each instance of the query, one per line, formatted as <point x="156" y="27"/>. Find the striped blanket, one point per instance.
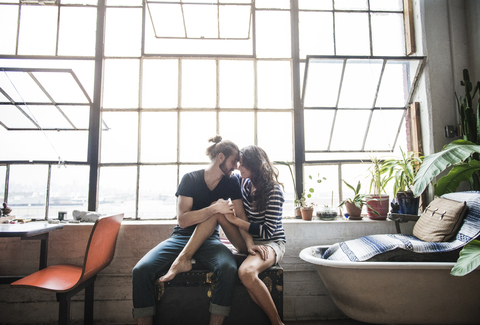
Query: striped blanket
<point x="363" y="249"/>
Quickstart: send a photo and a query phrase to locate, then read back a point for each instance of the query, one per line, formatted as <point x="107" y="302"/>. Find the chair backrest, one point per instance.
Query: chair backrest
<point x="101" y="245"/>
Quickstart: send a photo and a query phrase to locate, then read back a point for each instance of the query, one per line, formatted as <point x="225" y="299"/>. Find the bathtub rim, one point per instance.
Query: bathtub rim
<point x="306" y="255"/>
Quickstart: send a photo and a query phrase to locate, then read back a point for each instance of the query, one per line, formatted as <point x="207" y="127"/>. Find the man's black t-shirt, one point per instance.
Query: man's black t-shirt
<point x="193" y="185"/>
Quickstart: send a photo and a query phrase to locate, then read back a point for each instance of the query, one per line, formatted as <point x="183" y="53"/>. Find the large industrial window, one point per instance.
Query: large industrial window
<point x="165" y="91"/>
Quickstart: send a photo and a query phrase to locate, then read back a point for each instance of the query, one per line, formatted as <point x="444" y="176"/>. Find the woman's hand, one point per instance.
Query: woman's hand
<point x="261" y="249"/>
<point x="224" y="206"/>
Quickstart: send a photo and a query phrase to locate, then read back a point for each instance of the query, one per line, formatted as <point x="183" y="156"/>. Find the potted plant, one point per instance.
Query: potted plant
<point x="296" y="201"/>
<point x="306" y="209"/>
<point x="462" y="155"/>
<point x="354" y="204"/>
<point x="378" y="203"/>
<point x="403" y="171"/>
<point x="327" y="212"/>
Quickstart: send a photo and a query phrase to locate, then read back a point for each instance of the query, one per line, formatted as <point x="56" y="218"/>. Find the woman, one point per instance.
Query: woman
<point x="263" y="203"/>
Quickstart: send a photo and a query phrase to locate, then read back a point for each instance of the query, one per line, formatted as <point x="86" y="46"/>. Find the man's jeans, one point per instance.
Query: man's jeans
<point x="212" y="254"/>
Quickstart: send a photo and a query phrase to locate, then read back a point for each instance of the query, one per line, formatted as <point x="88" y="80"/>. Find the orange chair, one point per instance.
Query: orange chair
<point x="68" y="280"/>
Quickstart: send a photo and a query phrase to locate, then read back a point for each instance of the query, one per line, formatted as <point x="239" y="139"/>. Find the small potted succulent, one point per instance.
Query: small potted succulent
<point x="355" y="204"/>
<point x="307" y="208"/>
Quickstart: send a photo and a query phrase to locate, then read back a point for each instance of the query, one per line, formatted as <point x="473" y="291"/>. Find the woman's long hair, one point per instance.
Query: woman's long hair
<point x="263" y="176"/>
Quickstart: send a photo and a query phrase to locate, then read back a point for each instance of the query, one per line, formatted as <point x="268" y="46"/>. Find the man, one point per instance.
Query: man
<point x="202" y="194"/>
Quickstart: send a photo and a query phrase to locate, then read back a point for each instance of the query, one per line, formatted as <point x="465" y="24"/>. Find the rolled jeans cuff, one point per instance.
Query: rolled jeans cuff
<point x="219" y="310"/>
<point x="143" y="312"/>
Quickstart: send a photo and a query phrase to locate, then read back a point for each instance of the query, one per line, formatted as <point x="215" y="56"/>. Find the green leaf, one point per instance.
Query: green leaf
<point x="453" y="153"/>
<point x="469" y="259"/>
<point x="459" y="173"/>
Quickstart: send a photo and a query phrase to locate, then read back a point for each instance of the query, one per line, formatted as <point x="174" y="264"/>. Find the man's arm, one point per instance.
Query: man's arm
<point x="186" y="217"/>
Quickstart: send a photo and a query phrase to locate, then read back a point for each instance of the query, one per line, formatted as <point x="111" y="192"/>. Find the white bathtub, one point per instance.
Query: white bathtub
<point x="400" y="292"/>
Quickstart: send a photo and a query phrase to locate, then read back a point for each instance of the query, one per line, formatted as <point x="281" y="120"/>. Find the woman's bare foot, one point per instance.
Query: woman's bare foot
<point x="181" y="264"/>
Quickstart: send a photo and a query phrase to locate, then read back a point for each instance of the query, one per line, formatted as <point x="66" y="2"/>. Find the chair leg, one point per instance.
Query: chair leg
<point x="88" y="309"/>
<point x="63" y="310"/>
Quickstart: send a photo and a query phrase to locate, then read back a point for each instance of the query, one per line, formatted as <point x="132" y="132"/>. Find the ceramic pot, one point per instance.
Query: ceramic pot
<point x="354" y="211"/>
<point x="380" y="204"/>
<point x="408" y="204"/>
<point x="307" y="213"/>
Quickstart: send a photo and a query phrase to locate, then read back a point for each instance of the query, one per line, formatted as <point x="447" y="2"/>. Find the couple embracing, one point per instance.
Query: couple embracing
<point x="249" y="210"/>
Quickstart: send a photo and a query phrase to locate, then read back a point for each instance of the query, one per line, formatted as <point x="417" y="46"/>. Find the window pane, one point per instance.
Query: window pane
<point x="8" y="26"/>
<point x="121" y="84"/>
<point x="195" y="130"/>
<point x="200" y="21"/>
<point x="394" y="88"/>
<point x="68" y="190"/>
<point x="326" y="192"/>
<point x="236" y="84"/>
<point x="351" y="4"/>
<point x="44" y="145"/>
<point x="237" y="127"/>
<point x="121" y="38"/>
<point x="119" y="142"/>
<point x="288" y="189"/>
<point x="159" y="137"/>
<point x="62" y="87"/>
<point x="360" y="83"/>
<point x="277" y="140"/>
<point x="77" y="31"/>
<point x="349" y="129"/>
<point x="323" y="83"/>
<point x="27" y="190"/>
<point x="32" y="39"/>
<point x="198" y="84"/>
<point x="78" y="115"/>
<point x="316" y="33"/>
<point x="352" y="34"/>
<point x="318" y="127"/>
<point x="315" y="4"/>
<point x="273" y="34"/>
<point x="388" y="34"/>
<point x="383" y="130"/>
<point x="274" y="84"/>
<point x="117" y="188"/>
<point x="157" y="192"/>
<point x="21" y="87"/>
<point x="12" y="117"/>
<point x="269" y="4"/>
<point x="235" y="21"/>
<point x="160" y="84"/>
<point x="393" y="5"/>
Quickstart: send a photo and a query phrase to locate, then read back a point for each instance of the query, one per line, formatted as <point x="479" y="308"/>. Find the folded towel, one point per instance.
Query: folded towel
<point x="364" y="248"/>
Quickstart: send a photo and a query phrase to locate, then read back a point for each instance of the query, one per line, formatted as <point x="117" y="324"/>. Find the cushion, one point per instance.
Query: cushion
<point x="440" y="221"/>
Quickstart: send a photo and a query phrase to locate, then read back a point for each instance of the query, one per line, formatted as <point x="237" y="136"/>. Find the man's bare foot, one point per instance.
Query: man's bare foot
<point x="181" y="264"/>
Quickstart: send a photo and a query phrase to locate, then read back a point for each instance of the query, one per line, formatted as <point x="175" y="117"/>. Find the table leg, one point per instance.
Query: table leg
<point x="43" y="248"/>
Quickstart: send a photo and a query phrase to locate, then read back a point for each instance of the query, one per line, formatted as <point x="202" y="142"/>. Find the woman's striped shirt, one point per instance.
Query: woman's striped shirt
<point x="265" y="225"/>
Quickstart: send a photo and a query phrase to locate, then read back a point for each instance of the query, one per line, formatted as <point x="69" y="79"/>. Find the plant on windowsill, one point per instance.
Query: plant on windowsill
<point x="403" y="171"/>
<point x="306" y="208"/>
<point x="378" y="202"/>
<point x="355" y="204"/>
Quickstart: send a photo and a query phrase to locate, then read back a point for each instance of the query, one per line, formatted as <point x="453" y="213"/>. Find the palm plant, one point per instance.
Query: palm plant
<point x="403" y="171"/>
<point x="462" y="155"/>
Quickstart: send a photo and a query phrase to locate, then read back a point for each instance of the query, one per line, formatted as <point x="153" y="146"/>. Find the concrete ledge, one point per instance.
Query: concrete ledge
<point x="305" y="296"/>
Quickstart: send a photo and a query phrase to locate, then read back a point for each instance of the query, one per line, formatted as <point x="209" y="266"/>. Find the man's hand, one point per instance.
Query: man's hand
<point x="224" y="207"/>
<point x="261" y="249"/>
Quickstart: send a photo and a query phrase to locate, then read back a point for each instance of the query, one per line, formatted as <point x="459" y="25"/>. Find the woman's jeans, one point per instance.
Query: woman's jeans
<point x="212" y="254"/>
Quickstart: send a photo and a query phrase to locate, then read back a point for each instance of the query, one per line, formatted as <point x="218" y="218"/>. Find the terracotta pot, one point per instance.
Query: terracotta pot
<point x="354" y="211"/>
<point x="380" y="204"/>
<point x="307" y="213"/>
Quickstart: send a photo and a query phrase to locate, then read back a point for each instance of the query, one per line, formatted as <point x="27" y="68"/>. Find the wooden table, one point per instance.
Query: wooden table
<point x="29" y="231"/>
